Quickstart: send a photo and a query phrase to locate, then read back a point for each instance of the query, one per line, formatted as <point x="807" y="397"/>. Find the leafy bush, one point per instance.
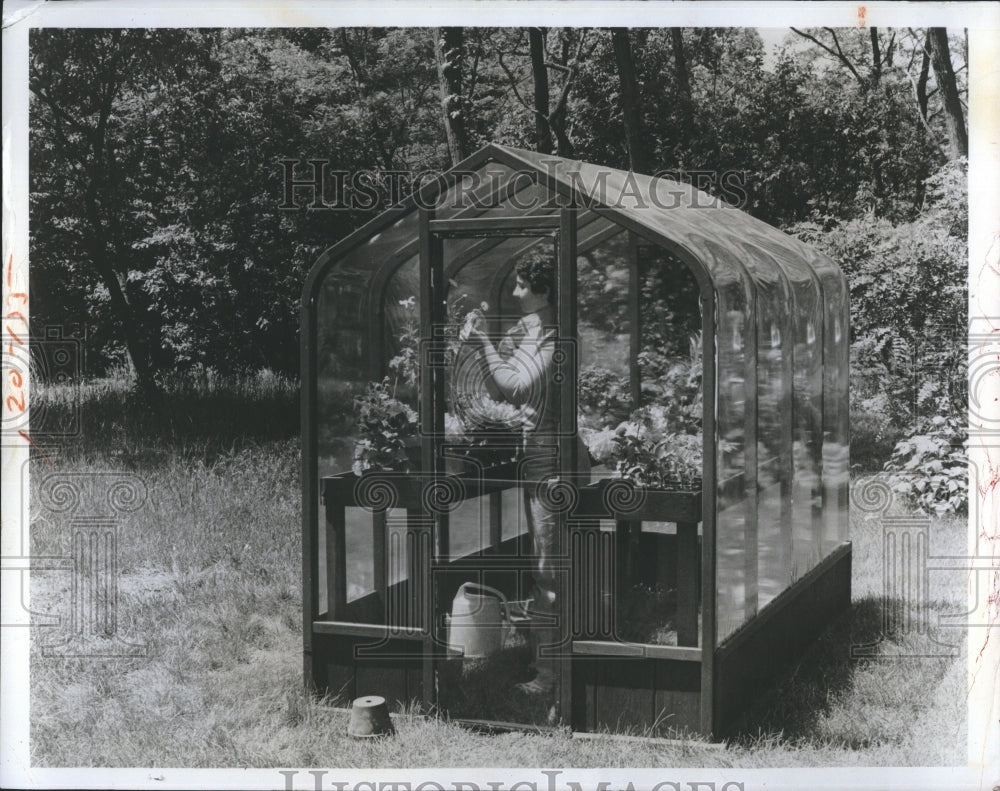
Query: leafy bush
<point x="674" y="384"/>
<point x="603" y="396"/>
<point x="872" y="440"/>
<point x="649" y="453"/>
<point x="385" y="427"/>
<point x="908" y="313"/>
<point x="930" y="469"/>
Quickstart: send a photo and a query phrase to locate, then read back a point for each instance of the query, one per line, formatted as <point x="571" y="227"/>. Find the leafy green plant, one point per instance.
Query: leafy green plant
<point x="385" y="427"/>
<point x="675" y="385"/>
<point x="603" y="396"/>
<point x="909" y="313"/>
<point x="405" y="364"/>
<point x="649" y="453"/>
<point x="931" y="470"/>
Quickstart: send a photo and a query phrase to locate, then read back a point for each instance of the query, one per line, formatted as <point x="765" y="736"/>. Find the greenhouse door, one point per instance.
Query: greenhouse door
<point x="481" y="642"/>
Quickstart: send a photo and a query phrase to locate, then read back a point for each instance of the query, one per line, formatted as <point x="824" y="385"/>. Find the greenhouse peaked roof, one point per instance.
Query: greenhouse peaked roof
<point x="678" y="215"/>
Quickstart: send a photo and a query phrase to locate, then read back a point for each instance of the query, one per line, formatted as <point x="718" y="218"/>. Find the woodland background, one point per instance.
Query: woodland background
<point x="158" y="237"/>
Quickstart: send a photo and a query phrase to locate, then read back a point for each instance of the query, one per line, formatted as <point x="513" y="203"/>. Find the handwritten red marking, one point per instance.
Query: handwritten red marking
<point x="32" y="443"/>
<point x="862" y="13"/>
<point x="17" y="401"/>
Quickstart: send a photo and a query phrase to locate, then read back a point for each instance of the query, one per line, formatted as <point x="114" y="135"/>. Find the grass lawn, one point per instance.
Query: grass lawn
<point x="209" y="583"/>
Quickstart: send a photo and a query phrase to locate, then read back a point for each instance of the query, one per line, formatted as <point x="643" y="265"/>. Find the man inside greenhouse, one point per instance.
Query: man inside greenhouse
<point x="521" y="367"/>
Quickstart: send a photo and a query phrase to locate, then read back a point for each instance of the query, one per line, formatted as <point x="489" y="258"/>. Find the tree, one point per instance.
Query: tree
<point x="681" y="75"/>
<point x="630" y="102"/>
<point x="565" y="58"/>
<point x="449" y="54"/>
<point x="937" y="38"/>
<point x="78" y="80"/>
<point x="540" y="75"/>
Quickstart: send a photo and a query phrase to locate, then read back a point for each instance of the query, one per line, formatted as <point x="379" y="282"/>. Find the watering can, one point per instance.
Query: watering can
<point x="478" y="623"/>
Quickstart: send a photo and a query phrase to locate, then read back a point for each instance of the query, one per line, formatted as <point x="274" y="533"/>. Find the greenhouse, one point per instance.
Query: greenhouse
<point x="693" y="418"/>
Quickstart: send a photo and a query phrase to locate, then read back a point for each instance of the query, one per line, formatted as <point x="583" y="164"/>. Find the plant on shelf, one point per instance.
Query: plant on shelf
<point x="387" y="425"/>
<point x="386" y="428"/>
<point x="388" y="422"/>
<point x="649" y="454"/>
<point x="675" y="382"/>
<point x="405" y="364"/>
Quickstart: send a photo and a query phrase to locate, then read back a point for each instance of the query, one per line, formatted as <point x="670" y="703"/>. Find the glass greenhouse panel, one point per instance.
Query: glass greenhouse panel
<point x="836" y="418"/>
<point x="698" y="495"/>
<point x="774" y="436"/>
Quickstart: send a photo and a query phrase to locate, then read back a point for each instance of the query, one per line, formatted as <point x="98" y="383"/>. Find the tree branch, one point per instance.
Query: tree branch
<point x="513" y="83"/>
<point x="838" y="53"/>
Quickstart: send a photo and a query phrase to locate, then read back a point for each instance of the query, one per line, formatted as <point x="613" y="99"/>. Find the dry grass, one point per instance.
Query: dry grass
<point x="209" y="583"/>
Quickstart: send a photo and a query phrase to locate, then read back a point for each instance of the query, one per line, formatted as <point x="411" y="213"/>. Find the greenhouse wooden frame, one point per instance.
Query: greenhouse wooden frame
<point x="758" y="561"/>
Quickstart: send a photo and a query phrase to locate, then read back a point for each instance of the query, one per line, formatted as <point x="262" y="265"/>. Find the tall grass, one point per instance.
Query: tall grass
<point x="209" y="583"/>
<point x="202" y="413"/>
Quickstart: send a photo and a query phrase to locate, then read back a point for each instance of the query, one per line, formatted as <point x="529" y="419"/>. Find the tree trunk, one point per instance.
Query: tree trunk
<point x="449" y="52"/>
<point x="958" y="138"/>
<point x="629" y="97"/>
<point x="925" y="66"/>
<point x="681" y="69"/>
<point x="543" y="135"/>
<point x="876" y="72"/>
<point x="124" y="311"/>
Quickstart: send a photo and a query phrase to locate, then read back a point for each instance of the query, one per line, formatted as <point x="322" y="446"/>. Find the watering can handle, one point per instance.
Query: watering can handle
<point x="467" y="586"/>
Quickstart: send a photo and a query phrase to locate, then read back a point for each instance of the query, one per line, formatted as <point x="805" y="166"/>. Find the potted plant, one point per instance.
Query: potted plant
<point x="387" y="431"/>
<point x="649" y="454"/>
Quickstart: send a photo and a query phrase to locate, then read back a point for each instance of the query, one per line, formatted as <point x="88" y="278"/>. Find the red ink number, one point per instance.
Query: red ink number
<point x="20" y="406"/>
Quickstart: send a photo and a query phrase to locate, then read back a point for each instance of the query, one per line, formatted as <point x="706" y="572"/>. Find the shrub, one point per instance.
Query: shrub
<point x="930" y="469"/>
<point x="650" y="453"/>
<point x="386" y="427"/>
<point x="872" y="439"/>
<point x="909" y="297"/>
<point x="603" y="396"/>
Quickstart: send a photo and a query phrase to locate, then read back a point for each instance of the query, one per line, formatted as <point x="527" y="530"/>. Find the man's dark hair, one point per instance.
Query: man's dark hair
<point x="537" y="269"/>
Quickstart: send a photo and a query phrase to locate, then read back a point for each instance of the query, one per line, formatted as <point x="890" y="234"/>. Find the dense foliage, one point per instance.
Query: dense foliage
<point x="160" y="223"/>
